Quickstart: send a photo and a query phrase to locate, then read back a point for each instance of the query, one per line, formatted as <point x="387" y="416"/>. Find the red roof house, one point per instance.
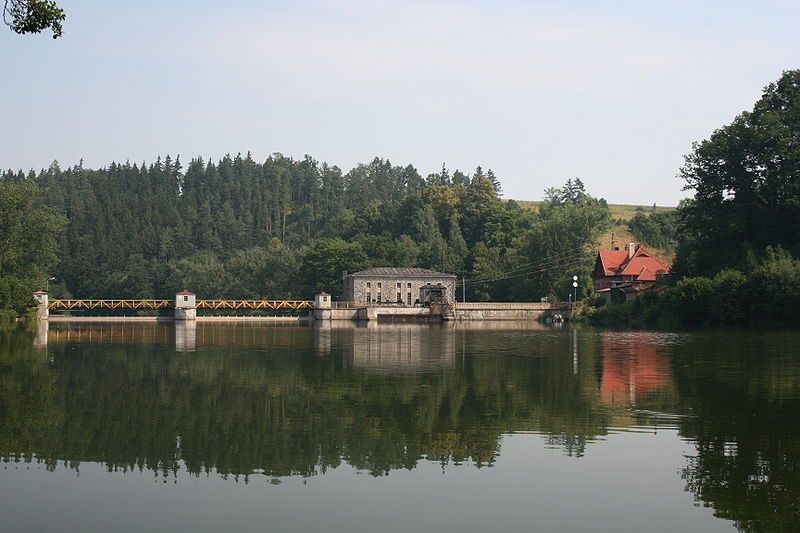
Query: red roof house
<point x="626" y="272"/>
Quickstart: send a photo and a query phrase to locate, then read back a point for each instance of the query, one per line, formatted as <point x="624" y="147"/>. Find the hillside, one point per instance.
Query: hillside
<point x="284" y="228"/>
<point x="621" y="214"/>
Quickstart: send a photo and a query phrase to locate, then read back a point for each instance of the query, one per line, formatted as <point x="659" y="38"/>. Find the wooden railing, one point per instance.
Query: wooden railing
<point x="110" y="304"/>
<point x="76" y="304"/>
<point x="255" y="304"/>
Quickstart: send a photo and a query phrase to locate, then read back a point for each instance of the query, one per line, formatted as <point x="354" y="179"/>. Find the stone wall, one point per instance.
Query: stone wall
<point x="537" y="306"/>
<point x="335" y="314"/>
<point x="506" y="311"/>
<point x="375" y="312"/>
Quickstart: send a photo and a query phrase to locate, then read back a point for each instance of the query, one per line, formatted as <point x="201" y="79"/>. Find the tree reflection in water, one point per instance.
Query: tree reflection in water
<point x="743" y="392"/>
<point x="238" y="399"/>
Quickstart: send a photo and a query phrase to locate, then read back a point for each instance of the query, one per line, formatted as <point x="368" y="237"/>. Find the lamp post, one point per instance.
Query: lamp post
<point x="575" y="288"/>
<point x="47" y="285"/>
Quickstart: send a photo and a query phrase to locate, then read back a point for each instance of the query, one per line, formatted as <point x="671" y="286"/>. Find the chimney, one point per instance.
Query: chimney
<point x="631" y="249"/>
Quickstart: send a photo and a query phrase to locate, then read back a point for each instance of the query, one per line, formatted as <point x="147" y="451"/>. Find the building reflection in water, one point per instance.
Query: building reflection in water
<point x="40" y="340"/>
<point x="185" y="336"/>
<point x="400" y="347"/>
<point x="632" y="367"/>
<point x="117" y="332"/>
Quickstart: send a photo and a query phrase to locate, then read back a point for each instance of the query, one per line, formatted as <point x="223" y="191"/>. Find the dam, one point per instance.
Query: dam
<point x="187" y="307"/>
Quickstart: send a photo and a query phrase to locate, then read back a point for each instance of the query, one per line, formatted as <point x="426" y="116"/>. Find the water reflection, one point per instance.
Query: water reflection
<point x="185" y="336"/>
<point x="285" y="400"/>
<point x="633" y="369"/>
<point x="399" y="347"/>
<point x="744" y="394"/>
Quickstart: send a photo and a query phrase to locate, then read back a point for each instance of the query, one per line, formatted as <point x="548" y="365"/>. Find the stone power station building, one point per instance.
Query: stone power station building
<point x="398" y="286"/>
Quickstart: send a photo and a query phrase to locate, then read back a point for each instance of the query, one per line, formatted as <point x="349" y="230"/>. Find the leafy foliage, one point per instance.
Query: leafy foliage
<point x="28" y="243"/>
<point x="746" y="180"/>
<point x="33" y="16"/>
<point x="659" y="229"/>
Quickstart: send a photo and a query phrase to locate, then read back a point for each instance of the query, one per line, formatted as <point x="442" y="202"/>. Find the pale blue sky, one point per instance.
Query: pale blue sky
<point x="611" y="92"/>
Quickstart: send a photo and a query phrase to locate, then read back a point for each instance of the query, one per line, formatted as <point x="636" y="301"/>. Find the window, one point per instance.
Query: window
<point x="379" y="297"/>
<point x="408" y="285"/>
<point x="369" y="284"/>
<point x="379" y="284"/>
<point x="408" y="298"/>
<point x="185" y="298"/>
<point x="399" y="297"/>
<point x="399" y="284"/>
<point x="369" y="297"/>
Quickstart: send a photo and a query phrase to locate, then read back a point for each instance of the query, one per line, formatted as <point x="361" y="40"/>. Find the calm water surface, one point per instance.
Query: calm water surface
<point x="493" y="427"/>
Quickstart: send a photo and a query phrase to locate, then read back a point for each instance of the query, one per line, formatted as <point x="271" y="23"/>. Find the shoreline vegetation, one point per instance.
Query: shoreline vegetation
<point x="287" y="228"/>
<point x="738" y="239"/>
<point x="764" y="293"/>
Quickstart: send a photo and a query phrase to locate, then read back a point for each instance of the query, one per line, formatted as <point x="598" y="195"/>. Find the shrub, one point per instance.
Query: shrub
<point x="728" y="304"/>
<point x="15" y="297"/>
<point x="773" y="289"/>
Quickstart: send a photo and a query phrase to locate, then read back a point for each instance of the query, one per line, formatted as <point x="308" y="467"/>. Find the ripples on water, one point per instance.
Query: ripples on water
<point x="473" y="416"/>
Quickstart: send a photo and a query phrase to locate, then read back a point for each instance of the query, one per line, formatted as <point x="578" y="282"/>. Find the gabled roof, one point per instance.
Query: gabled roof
<point x="612" y="260"/>
<point x="643" y="265"/>
<point x="646" y="275"/>
<point x="643" y="260"/>
<point x="395" y="272"/>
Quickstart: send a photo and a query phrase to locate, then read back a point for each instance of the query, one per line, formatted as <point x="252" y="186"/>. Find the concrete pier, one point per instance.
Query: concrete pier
<point x="42" y="307"/>
<point x="322" y="306"/>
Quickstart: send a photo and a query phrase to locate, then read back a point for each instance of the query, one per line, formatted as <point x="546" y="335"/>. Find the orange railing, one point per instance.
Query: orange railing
<point x="110" y="304"/>
<point x="169" y="304"/>
<point x="255" y="304"/>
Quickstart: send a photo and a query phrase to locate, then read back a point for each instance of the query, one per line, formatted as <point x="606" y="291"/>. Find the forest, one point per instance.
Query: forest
<point x="285" y="228"/>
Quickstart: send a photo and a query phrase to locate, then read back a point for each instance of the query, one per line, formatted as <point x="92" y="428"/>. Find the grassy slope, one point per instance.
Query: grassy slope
<point x="621" y="213"/>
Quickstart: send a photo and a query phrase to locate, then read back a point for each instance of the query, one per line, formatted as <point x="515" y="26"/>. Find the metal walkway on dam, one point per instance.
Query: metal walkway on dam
<point x="89" y="304"/>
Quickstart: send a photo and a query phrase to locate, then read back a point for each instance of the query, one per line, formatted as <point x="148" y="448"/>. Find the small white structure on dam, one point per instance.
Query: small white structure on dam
<point x="185" y="305"/>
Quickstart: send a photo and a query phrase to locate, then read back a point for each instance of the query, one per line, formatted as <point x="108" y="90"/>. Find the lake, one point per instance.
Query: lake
<point x="252" y="426"/>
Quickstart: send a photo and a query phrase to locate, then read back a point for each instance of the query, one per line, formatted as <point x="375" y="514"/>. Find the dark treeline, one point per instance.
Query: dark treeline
<point x="286" y="227"/>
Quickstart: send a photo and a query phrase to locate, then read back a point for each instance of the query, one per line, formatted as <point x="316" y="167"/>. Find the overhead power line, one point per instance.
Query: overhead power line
<point x="540" y="262"/>
<point x="542" y="265"/>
